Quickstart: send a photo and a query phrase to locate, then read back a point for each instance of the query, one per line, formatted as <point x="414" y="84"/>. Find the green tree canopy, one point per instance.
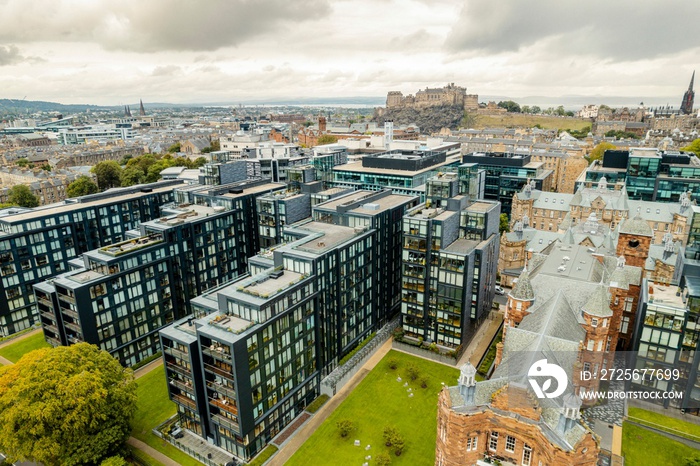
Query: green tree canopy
<point x="131" y="176"/>
<point x="21" y="195"/>
<point x="174" y="148"/>
<point x="65" y="406"/>
<point x="504" y="224"/>
<point x="326" y="139"/>
<point x="82" y="186"/>
<point x="108" y="174"/>
<point x="23" y="162"/>
<point x="599" y="150"/>
<point x="693" y="147"/>
<point x="509" y="105"/>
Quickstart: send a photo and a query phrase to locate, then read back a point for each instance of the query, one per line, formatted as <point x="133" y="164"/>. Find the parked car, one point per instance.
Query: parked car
<point x="500" y="290"/>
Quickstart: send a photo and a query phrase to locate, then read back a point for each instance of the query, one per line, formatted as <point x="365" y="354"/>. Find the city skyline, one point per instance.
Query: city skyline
<point x="115" y="53"/>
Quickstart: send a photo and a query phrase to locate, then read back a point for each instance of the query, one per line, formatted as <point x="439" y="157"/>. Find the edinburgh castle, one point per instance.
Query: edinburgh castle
<point x="448" y="95"/>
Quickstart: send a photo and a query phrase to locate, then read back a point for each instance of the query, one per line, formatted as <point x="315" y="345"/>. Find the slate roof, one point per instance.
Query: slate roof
<point x="599" y="303"/>
<point x="636" y="226"/>
<point x="523" y="288"/>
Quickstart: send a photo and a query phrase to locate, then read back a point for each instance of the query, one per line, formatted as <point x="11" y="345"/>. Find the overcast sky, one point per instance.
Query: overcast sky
<point x="113" y="52"/>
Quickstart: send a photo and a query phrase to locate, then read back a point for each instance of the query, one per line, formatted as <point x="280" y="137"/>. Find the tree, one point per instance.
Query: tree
<point x="599" y="150"/>
<point x="692" y="461"/>
<point x="326" y="139"/>
<point x="108" y="174"/>
<point x="82" y="186"/>
<point x="525" y="109"/>
<point x="199" y="162"/>
<point x="131" y="176"/>
<point x="510" y="106"/>
<point x="398" y="443"/>
<point x="504" y="225"/>
<point x="535" y="110"/>
<point x="174" y="148"/>
<point x="693" y="147"/>
<point x="383" y="459"/>
<point x="215" y="145"/>
<point x="23" y="162"/>
<point x="68" y="405"/>
<point x="389" y="433"/>
<point x="345" y="426"/>
<point x="114" y="461"/>
<point x="413" y="372"/>
<point x="21" y="195"/>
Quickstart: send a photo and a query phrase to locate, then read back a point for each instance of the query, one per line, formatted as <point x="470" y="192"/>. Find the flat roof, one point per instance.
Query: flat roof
<point x="251" y="190"/>
<point x="333" y="235"/>
<point x="462" y="246"/>
<point x="357" y="167"/>
<point x="61" y="208"/>
<point x="665" y="295"/>
<point x="384" y="203"/>
<point x="480" y="207"/>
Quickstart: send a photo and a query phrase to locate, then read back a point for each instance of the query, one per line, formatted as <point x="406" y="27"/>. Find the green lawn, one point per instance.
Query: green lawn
<point x="380" y="400"/>
<point x="15" y="351"/>
<point x="675" y="426"/>
<point x="153" y="408"/>
<point x="641" y="447"/>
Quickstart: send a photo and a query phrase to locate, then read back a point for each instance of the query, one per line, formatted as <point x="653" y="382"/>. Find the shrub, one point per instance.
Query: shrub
<point x="424" y="382"/>
<point x="413" y="372"/>
<point x="383" y="459"/>
<point x="398" y="442"/>
<point x="393" y="364"/>
<point x="345" y="426"/>
<point x="389" y="434"/>
<point x="317" y="403"/>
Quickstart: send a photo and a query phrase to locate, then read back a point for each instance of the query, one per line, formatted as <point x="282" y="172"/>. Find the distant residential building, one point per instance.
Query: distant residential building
<point x="588" y="111"/>
<point x="647" y="173"/>
<point x="96" y="134"/>
<point x="506" y="174"/>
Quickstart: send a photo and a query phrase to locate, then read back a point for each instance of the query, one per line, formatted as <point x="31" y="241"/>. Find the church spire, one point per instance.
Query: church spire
<point x="142" y="111"/>
<point x="688" y="98"/>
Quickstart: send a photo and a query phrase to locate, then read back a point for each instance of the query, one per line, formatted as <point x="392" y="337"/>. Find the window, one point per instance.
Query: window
<point x="471" y="443"/>
<point x="624" y="324"/>
<point x="510" y="444"/>
<point x="527" y="455"/>
<point x="591" y="344"/>
<point x="493" y="441"/>
<point x="594" y="322"/>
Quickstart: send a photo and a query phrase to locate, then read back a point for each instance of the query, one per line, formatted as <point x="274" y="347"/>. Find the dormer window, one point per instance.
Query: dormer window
<point x="594" y="322"/>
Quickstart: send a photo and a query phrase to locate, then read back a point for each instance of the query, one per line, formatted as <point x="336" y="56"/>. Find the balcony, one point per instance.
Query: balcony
<point x="44" y="301"/>
<point x="222" y="389"/>
<point x="179" y="369"/>
<point x="217" y="353"/>
<point x="176" y="352"/>
<point x="183" y="400"/>
<point x="218" y="371"/>
<point x="66" y="298"/>
<point x="226" y="423"/>
<point x="73" y="326"/>
<point x="226" y="406"/>
<point x="185" y="387"/>
<point x="69" y="312"/>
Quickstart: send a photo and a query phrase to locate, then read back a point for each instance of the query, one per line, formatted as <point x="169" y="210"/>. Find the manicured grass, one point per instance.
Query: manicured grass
<point x="153" y="408"/>
<point x="675" y="426"/>
<point x="141" y="458"/>
<point x="511" y="120"/>
<point x="264" y="455"/>
<point x="379" y="401"/>
<point x="641" y="447"/>
<point x="14" y="351"/>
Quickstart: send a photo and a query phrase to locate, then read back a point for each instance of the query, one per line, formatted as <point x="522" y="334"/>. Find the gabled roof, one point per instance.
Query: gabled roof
<point x="599" y="303"/>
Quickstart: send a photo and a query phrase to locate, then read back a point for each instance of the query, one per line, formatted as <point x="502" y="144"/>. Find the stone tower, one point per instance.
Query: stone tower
<point x="688" y="98"/>
<point x="634" y="240"/>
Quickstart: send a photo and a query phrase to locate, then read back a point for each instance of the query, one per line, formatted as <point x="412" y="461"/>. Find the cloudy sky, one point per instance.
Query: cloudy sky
<point x="113" y="52"/>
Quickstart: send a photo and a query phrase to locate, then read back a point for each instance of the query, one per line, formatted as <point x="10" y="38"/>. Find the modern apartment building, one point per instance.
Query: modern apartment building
<point x="36" y="244"/>
<point x="666" y="339"/>
<point x="648" y="174"/>
<point x="125" y="292"/>
<point x="506" y="174"/>
<point x="450" y="254"/>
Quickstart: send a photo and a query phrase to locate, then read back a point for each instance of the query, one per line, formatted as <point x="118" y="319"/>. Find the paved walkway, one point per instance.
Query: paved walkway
<point x="302" y="435"/>
<point x="481" y="342"/>
<point x="152" y="452"/>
